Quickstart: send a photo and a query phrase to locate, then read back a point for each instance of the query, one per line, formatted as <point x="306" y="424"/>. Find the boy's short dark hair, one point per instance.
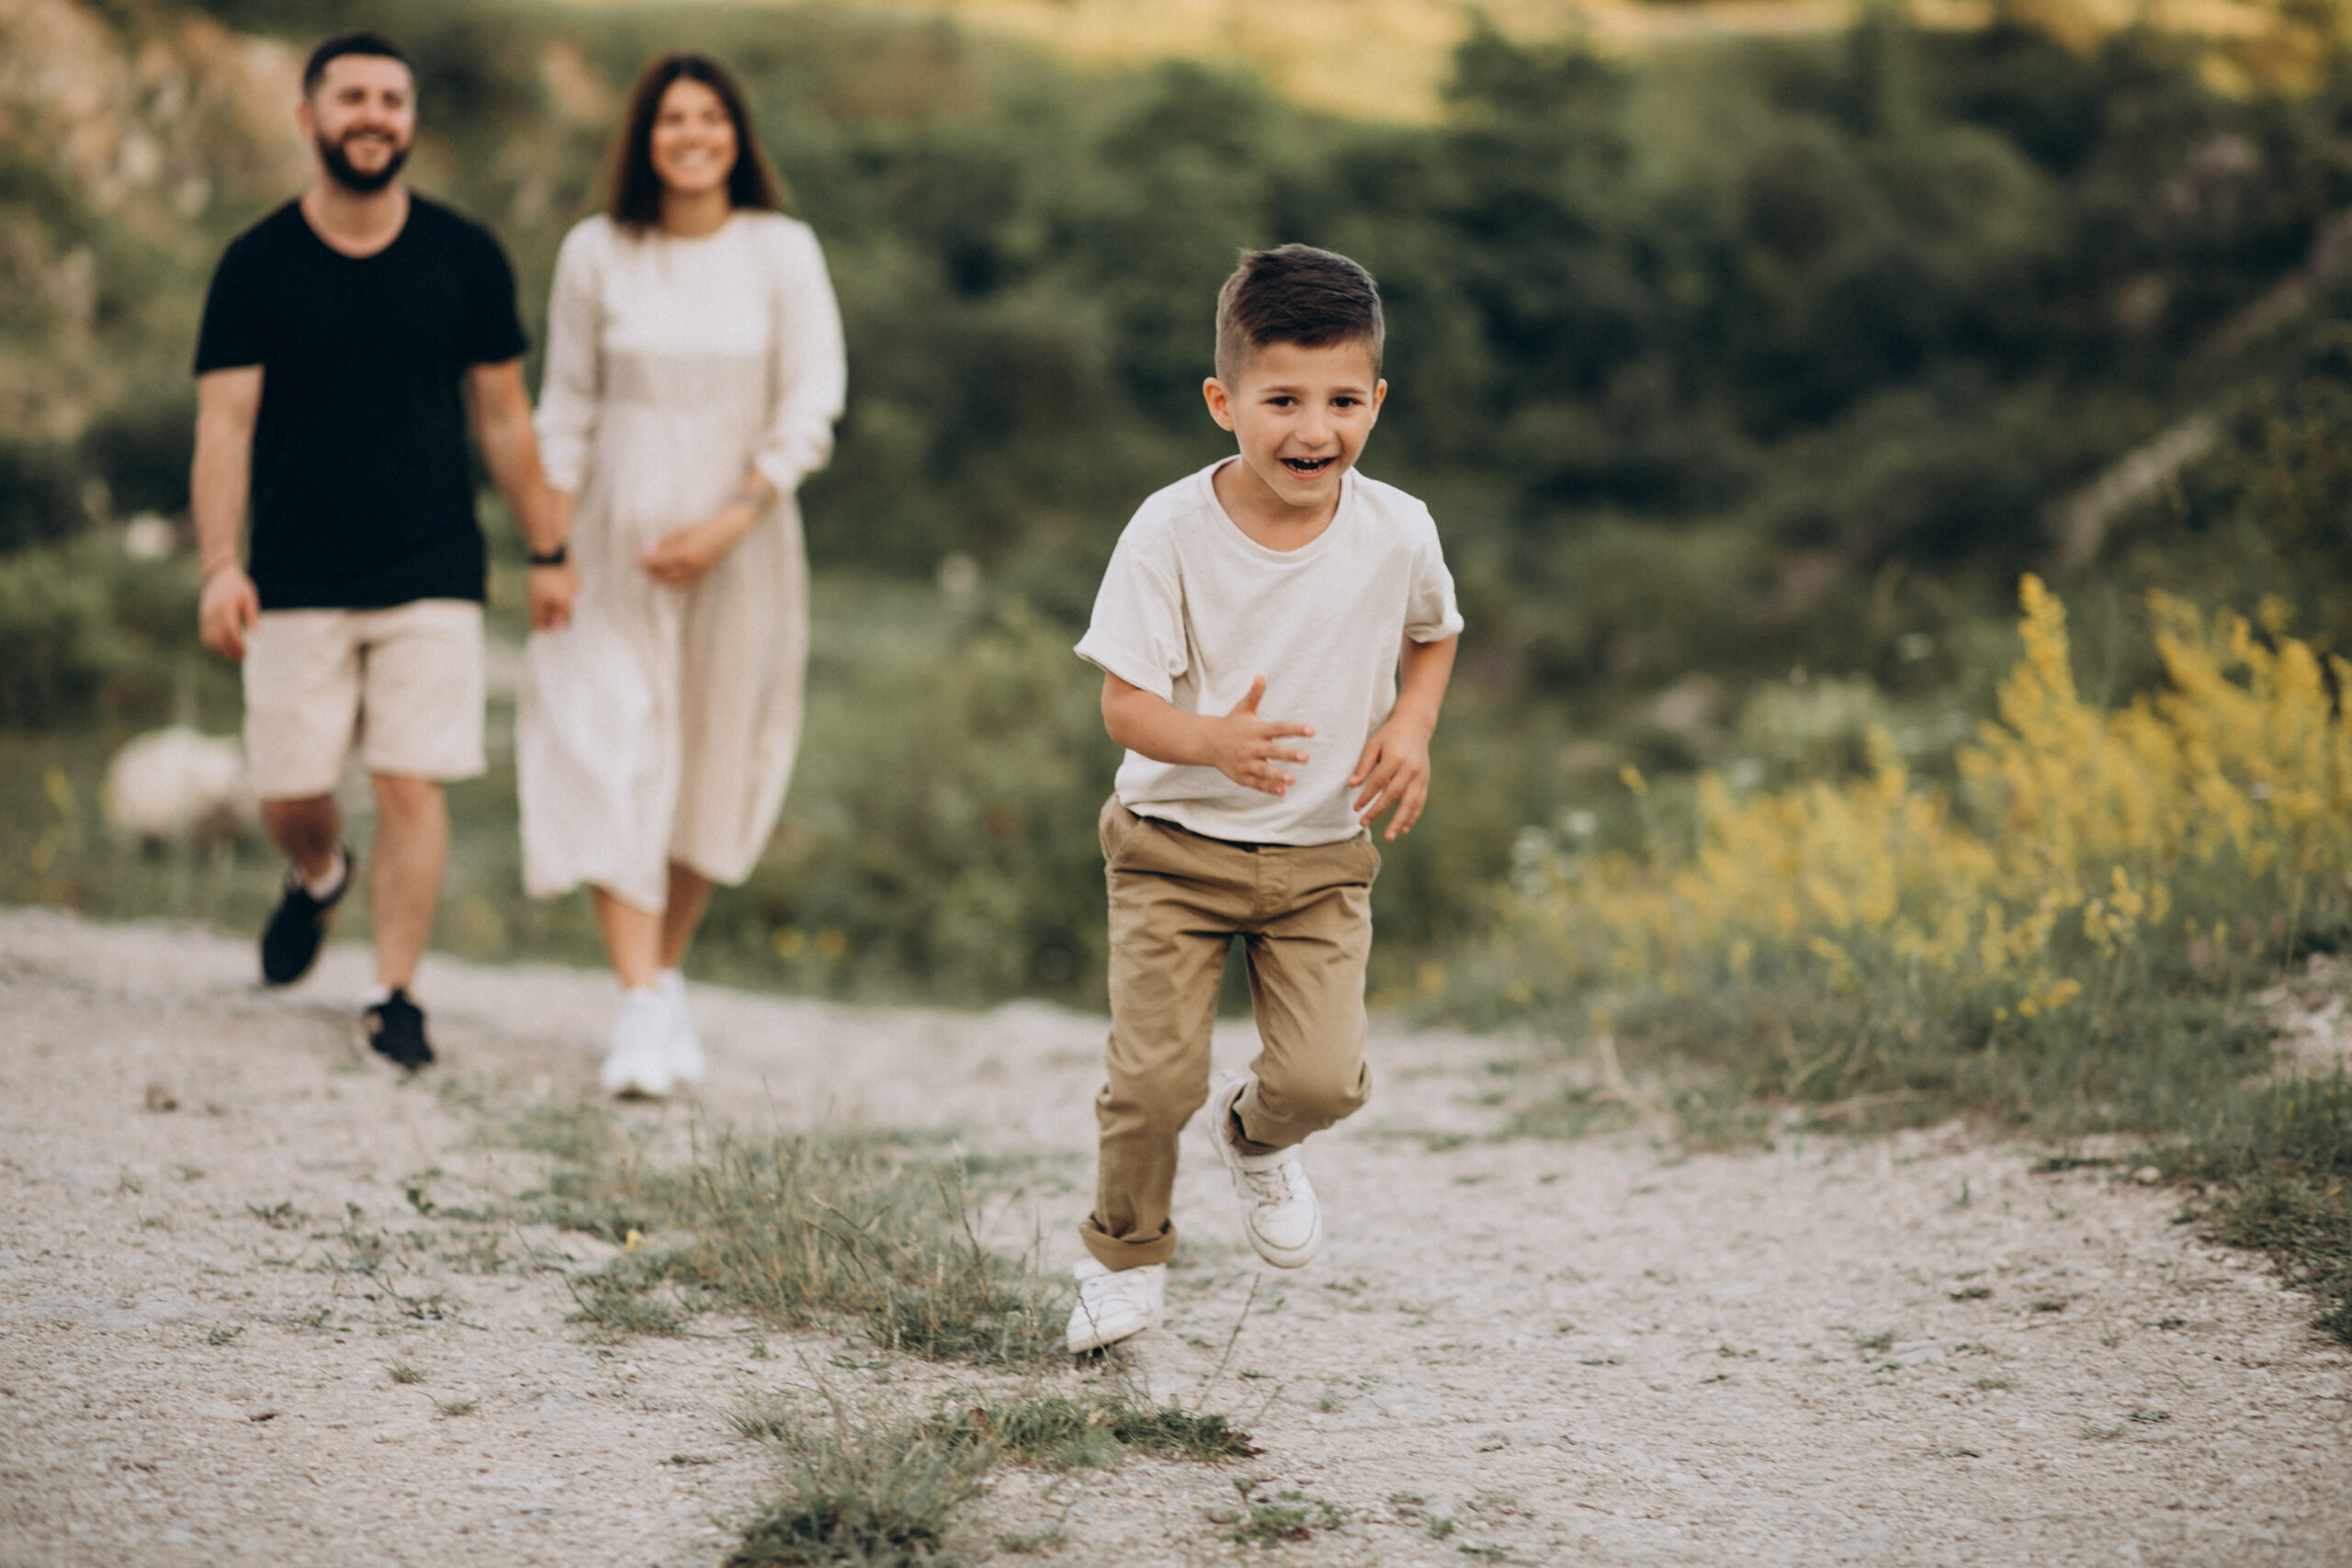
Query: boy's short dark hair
<point x="360" y="42"/>
<point x="1295" y="294"/>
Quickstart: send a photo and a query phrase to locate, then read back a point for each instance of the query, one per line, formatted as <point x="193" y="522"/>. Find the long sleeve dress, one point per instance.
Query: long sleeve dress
<point x="661" y="724"/>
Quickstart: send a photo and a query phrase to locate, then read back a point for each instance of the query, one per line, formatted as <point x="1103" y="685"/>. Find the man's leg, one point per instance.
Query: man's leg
<point x="302" y="683"/>
<point x="308" y="831"/>
<point x="412" y="850"/>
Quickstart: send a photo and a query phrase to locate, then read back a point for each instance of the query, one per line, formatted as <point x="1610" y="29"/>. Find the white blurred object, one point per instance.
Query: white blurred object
<point x="169" y="783"/>
<point x="148" y="537"/>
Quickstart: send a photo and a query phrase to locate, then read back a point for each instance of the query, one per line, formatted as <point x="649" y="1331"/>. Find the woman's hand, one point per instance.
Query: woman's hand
<point x="683" y="556"/>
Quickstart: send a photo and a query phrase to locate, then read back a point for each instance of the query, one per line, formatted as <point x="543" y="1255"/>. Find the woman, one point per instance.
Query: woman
<point x="694" y="374"/>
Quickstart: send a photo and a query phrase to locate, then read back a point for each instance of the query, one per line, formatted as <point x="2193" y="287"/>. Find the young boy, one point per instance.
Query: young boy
<point x="1285" y="579"/>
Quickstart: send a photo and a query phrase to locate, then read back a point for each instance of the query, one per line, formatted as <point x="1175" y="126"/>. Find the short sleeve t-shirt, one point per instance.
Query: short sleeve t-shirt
<point x="1192" y="610"/>
<point x="362" y="490"/>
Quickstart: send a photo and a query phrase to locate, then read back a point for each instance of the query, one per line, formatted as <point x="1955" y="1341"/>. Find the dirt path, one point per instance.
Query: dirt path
<point x="1901" y="1351"/>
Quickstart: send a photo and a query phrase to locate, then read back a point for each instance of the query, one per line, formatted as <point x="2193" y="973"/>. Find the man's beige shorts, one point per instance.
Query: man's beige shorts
<point x="404" y="684"/>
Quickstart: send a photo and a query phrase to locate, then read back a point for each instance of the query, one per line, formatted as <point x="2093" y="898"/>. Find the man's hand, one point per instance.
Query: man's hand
<point x="227" y="611"/>
<point x="683" y="556"/>
<point x="1245" y="748"/>
<point x="552" y="590"/>
<point x="1394" y="771"/>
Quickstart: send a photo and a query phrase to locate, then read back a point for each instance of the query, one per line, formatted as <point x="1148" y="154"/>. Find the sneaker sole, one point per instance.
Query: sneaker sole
<point x="1098" y="1337"/>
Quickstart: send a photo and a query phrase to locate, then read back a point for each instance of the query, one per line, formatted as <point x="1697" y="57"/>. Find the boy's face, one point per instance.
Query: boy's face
<point x="1301" y="416"/>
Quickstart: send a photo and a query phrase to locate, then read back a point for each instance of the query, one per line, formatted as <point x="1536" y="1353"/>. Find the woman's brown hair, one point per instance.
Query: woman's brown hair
<point x="635" y="198"/>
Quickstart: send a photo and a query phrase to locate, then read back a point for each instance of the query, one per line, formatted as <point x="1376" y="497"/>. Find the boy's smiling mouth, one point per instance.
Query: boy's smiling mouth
<point x="1308" y="467"/>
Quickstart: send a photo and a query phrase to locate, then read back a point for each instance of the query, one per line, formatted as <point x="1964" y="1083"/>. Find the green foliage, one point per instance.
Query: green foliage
<point x="86" y="630"/>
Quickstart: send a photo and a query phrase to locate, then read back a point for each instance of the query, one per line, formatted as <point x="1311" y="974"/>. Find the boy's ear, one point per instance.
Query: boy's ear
<point x="1220" y="401"/>
<point x="1379" y="395"/>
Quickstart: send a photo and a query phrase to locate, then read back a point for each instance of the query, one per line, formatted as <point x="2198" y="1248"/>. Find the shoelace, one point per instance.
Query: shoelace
<point x="1271" y="1185"/>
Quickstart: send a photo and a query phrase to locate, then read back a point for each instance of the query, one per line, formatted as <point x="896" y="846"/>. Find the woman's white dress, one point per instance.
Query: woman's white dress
<point x="661" y="724"/>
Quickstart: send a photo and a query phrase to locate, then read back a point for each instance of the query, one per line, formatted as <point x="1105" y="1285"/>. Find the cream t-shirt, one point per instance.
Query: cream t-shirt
<point x="1192" y="609"/>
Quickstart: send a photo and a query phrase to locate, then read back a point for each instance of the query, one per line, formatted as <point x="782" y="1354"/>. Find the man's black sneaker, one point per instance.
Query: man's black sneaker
<point x="289" y="943"/>
<point x="396" y="1029"/>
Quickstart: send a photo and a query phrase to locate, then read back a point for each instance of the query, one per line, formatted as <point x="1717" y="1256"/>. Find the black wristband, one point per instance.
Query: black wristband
<point x="554" y="556"/>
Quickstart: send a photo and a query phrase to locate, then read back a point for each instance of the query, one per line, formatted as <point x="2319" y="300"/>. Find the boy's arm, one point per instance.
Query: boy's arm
<point x="1394" y="767"/>
<point x="1240" y="744"/>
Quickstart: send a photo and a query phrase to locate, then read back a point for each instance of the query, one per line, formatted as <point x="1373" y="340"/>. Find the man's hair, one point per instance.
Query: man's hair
<point x="359" y="42"/>
<point x="633" y="197"/>
<point x="1295" y="294"/>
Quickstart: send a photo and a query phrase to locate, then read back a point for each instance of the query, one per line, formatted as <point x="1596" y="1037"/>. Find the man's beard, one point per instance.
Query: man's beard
<point x="359" y="181"/>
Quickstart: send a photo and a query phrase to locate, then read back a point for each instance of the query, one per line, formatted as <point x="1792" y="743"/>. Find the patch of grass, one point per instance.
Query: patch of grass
<point x="224" y="1335"/>
<point x="795" y="1228"/>
<point x="1970" y="1293"/>
<point x="1285" y="1517"/>
<point x="624" y="1298"/>
<point x="885" y="1497"/>
<point x="457" y="1406"/>
<point x="1025" y="1541"/>
<point x="684" y="1460"/>
<point x="1097" y="1430"/>
<point x="404" y="1373"/>
<point x="2281" y="1158"/>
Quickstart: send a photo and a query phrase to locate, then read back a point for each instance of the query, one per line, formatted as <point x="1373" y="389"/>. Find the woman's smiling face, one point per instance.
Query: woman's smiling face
<point x="693" y="139"/>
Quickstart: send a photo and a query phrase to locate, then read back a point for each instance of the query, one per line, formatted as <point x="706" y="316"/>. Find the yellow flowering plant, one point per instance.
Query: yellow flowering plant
<point x="2098" y="882"/>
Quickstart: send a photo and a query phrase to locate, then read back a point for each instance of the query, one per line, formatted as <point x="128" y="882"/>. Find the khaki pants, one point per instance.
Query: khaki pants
<point x="1177" y="899"/>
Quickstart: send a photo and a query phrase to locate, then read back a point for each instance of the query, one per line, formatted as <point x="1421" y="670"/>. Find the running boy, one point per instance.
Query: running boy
<point x="1281" y="579"/>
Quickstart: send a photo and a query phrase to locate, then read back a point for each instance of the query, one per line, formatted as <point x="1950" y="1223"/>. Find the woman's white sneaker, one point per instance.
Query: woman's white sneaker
<point x="1279" y="1212"/>
<point x="686" y="1045"/>
<point x="639" y="1063"/>
<point x="1115" y="1307"/>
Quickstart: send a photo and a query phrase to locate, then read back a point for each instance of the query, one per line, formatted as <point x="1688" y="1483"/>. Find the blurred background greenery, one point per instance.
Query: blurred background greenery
<point x="1745" y="367"/>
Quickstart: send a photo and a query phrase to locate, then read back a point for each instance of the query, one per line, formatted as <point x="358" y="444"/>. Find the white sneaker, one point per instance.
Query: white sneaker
<point x="638" y="1063"/>
<point x="1113" y="1306"/>
<point x="684" y="1044"/>
<point x="1284" y="1223"/>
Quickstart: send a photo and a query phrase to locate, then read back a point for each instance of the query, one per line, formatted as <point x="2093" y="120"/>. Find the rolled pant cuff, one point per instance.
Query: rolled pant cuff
<point x="1114" y="1255"/>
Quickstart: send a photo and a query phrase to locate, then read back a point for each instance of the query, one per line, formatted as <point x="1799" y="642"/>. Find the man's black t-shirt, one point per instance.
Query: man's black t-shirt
<point x="362" y="493"/>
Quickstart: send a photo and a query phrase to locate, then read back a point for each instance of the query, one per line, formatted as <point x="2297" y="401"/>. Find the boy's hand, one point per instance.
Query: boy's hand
<point x="1246" y="747"/>
<point x="1394" y="771"/>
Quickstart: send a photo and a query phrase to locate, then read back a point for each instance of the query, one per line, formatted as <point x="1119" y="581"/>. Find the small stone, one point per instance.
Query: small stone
<point x="2147" y="1176"/>
<point x="161" y="1097"/>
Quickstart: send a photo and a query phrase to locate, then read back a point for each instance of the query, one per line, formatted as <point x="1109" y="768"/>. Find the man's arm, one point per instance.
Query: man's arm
<point x="1394" y="767"/>
<point x="219" y="482"/>
<point x="1240" y="745"/>
<point x="511" y="448"/>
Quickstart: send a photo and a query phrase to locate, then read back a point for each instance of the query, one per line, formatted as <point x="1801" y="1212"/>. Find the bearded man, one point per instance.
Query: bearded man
<point x="340" y="338"/>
